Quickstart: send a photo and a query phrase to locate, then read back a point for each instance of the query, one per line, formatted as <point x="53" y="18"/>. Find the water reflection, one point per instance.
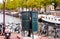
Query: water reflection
<point x="11" y="22"/>
<point x="9" y="19"/>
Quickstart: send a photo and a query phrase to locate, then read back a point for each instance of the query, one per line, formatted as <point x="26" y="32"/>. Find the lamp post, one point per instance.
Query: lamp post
<point x="4" y="16"/>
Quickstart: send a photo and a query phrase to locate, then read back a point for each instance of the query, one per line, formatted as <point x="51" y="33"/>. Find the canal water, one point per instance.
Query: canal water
<point x="11" y="22"/>
<point x="9" y="19"/>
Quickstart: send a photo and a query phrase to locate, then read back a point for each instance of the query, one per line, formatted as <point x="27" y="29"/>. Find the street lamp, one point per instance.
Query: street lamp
<point x="4" y="16"/>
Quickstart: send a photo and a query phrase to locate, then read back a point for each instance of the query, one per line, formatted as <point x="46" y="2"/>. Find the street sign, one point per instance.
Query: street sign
<point x="34" y="16"/>
<point x="25" y="20"/>
<point x="29" y="20"/>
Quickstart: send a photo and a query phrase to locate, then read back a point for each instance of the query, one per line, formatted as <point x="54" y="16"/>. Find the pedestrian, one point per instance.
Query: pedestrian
<point x="7" y="33"/>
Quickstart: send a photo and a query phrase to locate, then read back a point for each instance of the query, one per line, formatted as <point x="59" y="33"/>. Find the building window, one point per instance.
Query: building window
<point x="58" y="19"/>
<point x="52" y="18"/>
<point x="46" y="17"/>
<point x="55" y="19"/>
<point x="49" y="17"/>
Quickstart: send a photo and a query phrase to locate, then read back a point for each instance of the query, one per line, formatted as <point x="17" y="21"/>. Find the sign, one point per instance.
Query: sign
<point x="25" y="20"/>
<point x="29" y="20"/>
<point x="34" y="16"/>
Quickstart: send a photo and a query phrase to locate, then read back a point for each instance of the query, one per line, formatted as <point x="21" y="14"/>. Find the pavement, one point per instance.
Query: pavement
<point x="18" y="36"/>
<point x="13" y="36"/>
<point x="2" y="37"/>
<point x="38" y="37"/>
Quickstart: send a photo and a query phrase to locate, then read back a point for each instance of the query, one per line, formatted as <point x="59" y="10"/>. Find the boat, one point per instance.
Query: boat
<point x="50" y="18"/>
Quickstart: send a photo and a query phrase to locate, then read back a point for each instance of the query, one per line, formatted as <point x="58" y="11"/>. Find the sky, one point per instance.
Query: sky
<point x="0" y="1"/>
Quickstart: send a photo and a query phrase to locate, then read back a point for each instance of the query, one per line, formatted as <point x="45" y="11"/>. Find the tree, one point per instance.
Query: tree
<point x="0" y="6"/>
<point x="28" y="3"/>
<point x="31" y="4"/>
<point x="56" y="2"/>
<point x="12" y="4"/>
<point x="44" y="3"/>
